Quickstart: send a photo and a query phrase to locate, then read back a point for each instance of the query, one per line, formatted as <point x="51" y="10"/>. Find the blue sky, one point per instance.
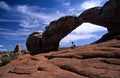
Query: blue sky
<point x="19" y="18"/>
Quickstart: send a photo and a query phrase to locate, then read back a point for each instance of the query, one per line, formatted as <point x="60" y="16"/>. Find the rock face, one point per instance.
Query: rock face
<point x="110" y="12"/>
<point x="17" y="49"/>
<point x="92" y="15"/>
<point x="92" y="61"/>
<point x="34" y="42"/>
<point x="106" y="16"/>
<point x="58" y="30"/>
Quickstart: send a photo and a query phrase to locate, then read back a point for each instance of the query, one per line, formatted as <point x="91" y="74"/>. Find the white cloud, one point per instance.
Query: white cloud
<point x="30" y="22"/>
<point x="20" y="34"/>
<point x="8" y="20"/>
<point x="32" y="18"/>
<point x="4" y="6"/>
<point x="74" y="37"/>
<point x="91" y="3"/>
<point x="86" y="28"/>
<point x="3" y="49"/>
<point x="84" y="31"/>
<point x="67" y="3"/>
<point x="1" y="46"/>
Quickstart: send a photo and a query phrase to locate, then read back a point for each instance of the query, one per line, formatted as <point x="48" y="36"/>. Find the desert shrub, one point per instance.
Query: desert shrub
<point x="5" y="60"/>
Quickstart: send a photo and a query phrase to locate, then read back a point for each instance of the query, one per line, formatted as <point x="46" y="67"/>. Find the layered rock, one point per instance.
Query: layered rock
<point x="91" y="61"/>
<point x="34" y="42"/>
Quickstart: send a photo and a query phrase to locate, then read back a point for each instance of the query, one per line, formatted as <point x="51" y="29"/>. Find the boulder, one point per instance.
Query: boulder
<point x="34" y="42"/>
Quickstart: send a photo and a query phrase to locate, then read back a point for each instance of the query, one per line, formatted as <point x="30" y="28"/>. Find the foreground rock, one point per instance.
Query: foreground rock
<point x="91" y="61"/>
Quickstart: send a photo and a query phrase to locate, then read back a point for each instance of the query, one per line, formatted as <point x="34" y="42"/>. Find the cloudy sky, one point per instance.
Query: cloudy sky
<point x="19" y="18"/>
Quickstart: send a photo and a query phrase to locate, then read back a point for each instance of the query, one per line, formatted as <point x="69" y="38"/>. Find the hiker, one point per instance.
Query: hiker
<point x="73" y="45"/>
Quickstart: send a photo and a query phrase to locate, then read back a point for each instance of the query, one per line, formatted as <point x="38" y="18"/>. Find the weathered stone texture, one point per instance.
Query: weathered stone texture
<point x="34" y="42"/>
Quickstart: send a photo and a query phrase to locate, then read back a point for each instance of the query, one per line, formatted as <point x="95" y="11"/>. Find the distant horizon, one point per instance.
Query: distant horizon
<point x="19" y="18"/>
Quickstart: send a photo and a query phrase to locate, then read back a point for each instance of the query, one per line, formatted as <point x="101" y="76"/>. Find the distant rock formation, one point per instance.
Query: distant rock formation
<point x="17" y="49"/>
<point x="106" y="16"/>
<point x="34" y="42"/>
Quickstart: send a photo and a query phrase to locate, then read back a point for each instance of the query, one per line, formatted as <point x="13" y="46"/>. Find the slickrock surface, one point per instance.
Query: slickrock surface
<point x="91" y="61"/>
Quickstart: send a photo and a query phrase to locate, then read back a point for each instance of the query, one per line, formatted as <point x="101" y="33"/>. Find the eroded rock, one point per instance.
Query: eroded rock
<point x="17" y="49"/>
<point x="106" y="16"/>
<point x="58" y="30"/>
<point x="34" y="42"/>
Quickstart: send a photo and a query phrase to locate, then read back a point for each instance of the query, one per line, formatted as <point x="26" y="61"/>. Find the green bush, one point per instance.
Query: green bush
<point x="5" y="60"/>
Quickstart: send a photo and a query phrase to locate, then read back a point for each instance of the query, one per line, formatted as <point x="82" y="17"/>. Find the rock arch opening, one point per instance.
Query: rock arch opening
<point x="84" y="34"/>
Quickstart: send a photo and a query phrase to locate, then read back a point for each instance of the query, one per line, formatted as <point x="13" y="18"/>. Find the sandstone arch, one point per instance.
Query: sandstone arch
<point x="60" y="28"/>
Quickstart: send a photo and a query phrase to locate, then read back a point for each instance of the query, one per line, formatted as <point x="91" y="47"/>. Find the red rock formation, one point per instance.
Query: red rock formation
<point x="56" y="31"/>
<point x="91" y="61"/>
<point x="106" y="16"/>
<point x="34" y="42"/>
<point x="17" y="49"/>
